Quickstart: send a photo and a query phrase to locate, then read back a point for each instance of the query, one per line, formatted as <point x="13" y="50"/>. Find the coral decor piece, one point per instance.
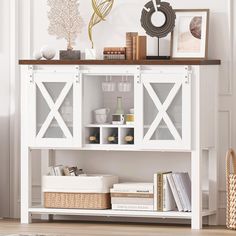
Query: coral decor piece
<point x="65" y="20"/>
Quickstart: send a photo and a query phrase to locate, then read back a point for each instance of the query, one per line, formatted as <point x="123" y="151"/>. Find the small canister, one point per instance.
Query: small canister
<point x="118" y="119"/>
<point x="129" y="119"/>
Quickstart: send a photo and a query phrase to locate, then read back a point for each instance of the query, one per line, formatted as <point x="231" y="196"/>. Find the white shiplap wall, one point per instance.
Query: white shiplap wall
<point x="125" y="17"/>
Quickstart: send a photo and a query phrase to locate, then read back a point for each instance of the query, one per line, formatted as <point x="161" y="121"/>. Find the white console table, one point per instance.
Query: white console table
<point x="175" y="109"/>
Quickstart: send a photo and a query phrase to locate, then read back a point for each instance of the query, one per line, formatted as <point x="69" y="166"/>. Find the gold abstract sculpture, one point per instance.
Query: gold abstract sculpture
<point x="101" y="10"/>
<point x="65" y="20"/>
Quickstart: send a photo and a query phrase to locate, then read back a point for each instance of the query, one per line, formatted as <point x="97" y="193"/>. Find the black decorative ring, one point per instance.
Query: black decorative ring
<point x="146" y="22"/>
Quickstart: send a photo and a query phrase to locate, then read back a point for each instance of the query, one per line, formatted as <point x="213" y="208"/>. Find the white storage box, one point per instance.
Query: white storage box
<point x="79" y="184"/>
<point x="83" y="192"/>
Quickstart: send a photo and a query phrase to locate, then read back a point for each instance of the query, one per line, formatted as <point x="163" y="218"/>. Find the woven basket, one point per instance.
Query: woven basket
<point x="77" y="200"/>
<point x="231" y="190"/>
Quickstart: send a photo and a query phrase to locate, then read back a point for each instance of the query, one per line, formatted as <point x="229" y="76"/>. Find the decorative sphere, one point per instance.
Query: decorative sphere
<point x="37" y="55"/>
<point x="48" y="52"/>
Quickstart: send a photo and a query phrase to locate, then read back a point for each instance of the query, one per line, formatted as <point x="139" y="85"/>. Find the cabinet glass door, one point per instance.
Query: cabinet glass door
<point x="56" y="110"/>
<point x="166" y="111"/>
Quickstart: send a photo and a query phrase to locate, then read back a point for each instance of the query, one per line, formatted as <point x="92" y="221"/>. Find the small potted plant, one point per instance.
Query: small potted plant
<point x="66" y="23"/>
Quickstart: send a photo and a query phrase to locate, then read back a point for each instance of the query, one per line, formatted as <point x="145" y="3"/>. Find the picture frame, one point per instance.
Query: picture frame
<point x="189" y="38"/>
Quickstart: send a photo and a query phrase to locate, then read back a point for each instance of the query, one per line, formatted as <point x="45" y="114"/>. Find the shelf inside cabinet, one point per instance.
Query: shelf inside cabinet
<point x="93" y="135"/>
<point x="109" y="126"/>
<point x="110" y="135"/>
<point x="106" y="130"/>
<point x="109" y="92"/>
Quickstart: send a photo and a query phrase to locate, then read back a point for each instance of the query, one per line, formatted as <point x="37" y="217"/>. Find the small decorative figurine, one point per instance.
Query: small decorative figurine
<point x="101" y="10"/>
<point x="164" y="28"/>
<point x="66" y="23"/>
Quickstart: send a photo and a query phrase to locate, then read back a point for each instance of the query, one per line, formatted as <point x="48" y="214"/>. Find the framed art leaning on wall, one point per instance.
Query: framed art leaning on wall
<point x="190" y="36"/>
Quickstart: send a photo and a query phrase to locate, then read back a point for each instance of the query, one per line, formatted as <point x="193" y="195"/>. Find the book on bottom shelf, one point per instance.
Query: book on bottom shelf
<point x="183" y="186"/>
<point x="133" y="187"/>
<point x="163" y="197"/>
<point x="175" y="192"/>
<point x="180" y="185"/>
<point x="56" y="170"/>
<point x="133" y="201"/>
<point x="132" y="207"/>
<point x="132" y="196"/>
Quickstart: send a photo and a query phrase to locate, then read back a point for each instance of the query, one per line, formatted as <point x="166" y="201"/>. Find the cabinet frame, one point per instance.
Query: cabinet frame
<point x="179" y="81"/>
<point x="72" y="81"/>
<point x="204" y="77"/>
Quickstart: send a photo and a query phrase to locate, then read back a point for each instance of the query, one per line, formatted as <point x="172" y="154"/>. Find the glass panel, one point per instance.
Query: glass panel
<point x="54" y="89"/>
<point x="162" y="132"/>
<point x="175" y="111"/>
<point x="99" y="94"/>
<point x="162" y="90"/>
<point x="150" y="111"/>
<point x="54" y="131"/>
<point x="66" y="109"/>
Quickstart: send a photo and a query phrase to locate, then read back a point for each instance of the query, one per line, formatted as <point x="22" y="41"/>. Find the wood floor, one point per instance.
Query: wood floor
<point x="105" y="229"/>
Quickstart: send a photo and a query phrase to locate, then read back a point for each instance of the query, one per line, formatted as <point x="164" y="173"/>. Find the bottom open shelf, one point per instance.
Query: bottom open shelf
<point x="116" y="213"/>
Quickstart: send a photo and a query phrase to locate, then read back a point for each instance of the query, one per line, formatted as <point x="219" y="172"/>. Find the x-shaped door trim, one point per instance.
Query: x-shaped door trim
<point x="54" y="107"/>
<point x="162" y="111"/>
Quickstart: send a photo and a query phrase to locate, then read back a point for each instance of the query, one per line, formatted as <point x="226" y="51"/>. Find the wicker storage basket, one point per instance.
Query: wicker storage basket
<point x="231" y="190"/>
<point x="78" y="192"/>
<point x="77" y="200"/>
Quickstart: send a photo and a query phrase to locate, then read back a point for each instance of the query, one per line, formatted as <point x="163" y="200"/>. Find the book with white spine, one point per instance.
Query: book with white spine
<point x="131" y="191"/>
<point x="132" y="207"/>
<point x="58" y="170"/>
<point x="132" y="201"/>
<point x="175" y="193"/>
<point x="185" y="182"/>
<point x="168" y="199"/>
<point x="179" y="191"/>
<point x="51" y="171"/>
<point x="131" y="195"/>
<point x="133" y="187"/>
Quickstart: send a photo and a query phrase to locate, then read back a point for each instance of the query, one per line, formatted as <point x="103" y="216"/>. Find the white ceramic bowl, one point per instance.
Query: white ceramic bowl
<point x="102" y="111"/>
<point x="101" y="119"/>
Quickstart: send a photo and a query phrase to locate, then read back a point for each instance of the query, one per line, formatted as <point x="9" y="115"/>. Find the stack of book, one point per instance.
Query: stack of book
<point x="132" y="196"/>
<point x="56" y="170"/>
<point x="61" y="170"/>
<point x="136" y="46"/>
<point x="171" y="191"/>
<point x="114" y="53"/>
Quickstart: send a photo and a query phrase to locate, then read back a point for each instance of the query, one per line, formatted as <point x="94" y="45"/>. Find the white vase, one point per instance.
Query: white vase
<point x="90" y="54"/>
<point x="48" y="52"/>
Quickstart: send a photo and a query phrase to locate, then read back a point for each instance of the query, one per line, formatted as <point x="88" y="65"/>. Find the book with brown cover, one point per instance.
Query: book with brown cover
<point x="141" y="47"/>
<point x="134" y="44"/>
<point x="129" y="45"/>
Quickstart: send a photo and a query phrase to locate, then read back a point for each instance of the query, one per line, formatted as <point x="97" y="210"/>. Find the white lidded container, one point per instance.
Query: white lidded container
<point x="78" y="192"/>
